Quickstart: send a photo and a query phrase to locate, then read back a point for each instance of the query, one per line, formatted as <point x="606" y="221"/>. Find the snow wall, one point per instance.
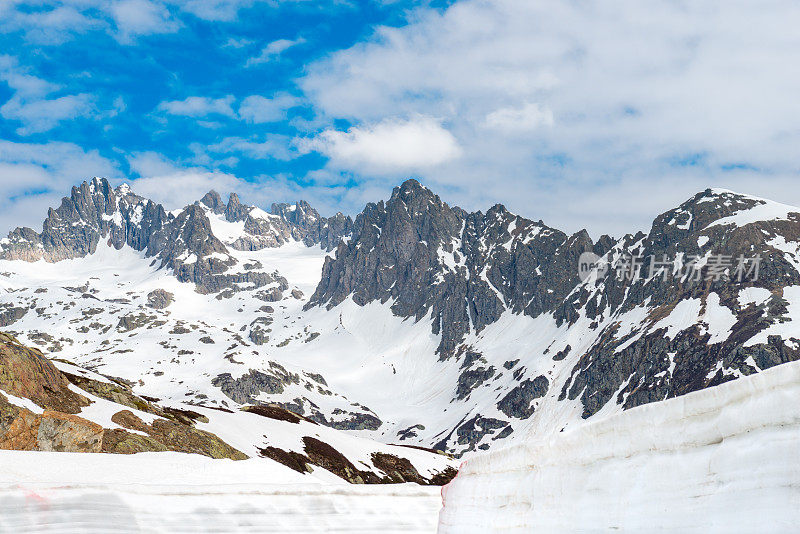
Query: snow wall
<point x="725" y="459"/>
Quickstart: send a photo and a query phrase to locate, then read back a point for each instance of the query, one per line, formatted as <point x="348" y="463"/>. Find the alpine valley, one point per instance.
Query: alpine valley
<point x="360" y="346"/>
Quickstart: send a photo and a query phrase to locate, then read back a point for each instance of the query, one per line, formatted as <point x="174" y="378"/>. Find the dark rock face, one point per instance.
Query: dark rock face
<point x="235" y="210"/>
<point x="213" y="201"/>
<point x="348" y="420"/>
<point x="159" y="299"/>
<point x="465" y="268"/>
<point x="517" y="403"/>
<point x="246" y="388"/>
<point x="472" y="378"/>
<point x="648" y="365"/>
<point x="473" y="431"/>
<point x="93" y="210"/>
<point x="10" y="314"/>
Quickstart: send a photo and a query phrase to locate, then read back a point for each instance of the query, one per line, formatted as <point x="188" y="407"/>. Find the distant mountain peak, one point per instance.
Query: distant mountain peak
<point x="213" y="201"/>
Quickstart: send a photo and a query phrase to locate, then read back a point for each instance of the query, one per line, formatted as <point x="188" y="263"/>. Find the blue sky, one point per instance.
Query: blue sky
<point x="597" y="115"/>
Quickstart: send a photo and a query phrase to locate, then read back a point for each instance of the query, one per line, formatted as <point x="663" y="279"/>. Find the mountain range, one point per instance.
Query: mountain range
<point x="415" y="323"/>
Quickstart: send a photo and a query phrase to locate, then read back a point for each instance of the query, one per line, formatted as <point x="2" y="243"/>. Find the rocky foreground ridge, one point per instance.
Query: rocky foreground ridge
<point x="44" y="408"/>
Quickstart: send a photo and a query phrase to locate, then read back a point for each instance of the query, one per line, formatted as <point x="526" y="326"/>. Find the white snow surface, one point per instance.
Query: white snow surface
<point x="763" y="210"/>
<point x="184" y="493"/>
<point x="723" y="459"/>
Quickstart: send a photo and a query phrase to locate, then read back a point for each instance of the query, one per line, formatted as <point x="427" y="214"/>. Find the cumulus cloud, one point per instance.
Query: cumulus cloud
<point x="390" y="146"/>
<point x="199" y="106"/>
<point x="553" y="101"/>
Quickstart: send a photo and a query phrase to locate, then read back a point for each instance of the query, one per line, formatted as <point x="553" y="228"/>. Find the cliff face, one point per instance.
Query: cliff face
<point x="464" y="269"/>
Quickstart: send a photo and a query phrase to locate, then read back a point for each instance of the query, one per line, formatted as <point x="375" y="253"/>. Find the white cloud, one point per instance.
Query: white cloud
<point x="50" y="27"/>
<point x="199" y="106"/>
<point x="273" y="146"/>
<point x="35" y="176"/>
<point x="273" y="51"/>
<point x="31" y="103"/>
<point x="529" y="116"/>
<point x="554" y="101"/>
<point x="258" y="109"/>
<point x="181" y="187"/>
<point x="390" y="146"/>
<point x="42" y="115"/>
<point x="134" y="18"/>
<point x="151" y="164"/>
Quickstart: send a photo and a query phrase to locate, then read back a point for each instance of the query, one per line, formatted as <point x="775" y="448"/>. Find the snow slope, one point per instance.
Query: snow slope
<point x="176" y="493"/>
<point x="724" y="459"/>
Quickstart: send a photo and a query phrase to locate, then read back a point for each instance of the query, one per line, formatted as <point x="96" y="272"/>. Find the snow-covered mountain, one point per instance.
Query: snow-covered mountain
<point x="416" y="323"/>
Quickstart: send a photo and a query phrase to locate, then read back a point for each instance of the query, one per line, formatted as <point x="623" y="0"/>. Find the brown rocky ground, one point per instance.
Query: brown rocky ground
<point x="27" y="373"/>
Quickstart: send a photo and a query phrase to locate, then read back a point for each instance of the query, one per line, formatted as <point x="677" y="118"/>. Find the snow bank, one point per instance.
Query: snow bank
<point x="175" y="493"/>
<point x="724" y="459"/>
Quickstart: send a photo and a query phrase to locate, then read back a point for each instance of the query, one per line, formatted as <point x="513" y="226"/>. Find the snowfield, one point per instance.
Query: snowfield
<point x="175" y="493"/>
<point x="724" y="459"/>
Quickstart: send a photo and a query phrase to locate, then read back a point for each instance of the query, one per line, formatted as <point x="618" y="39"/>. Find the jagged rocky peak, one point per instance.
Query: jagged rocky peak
<point x="308" y="226"/>
<point x="300" y="213"/>
<point x="235" y="210"/>
<point x="465" y="269"/>
<point x="213" y="201"/>
<point x="94" y="210"/>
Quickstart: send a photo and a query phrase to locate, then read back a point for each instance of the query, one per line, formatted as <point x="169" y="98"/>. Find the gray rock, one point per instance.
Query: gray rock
<point x="159" y="299"/>
<point x="499" y="261"/>
<point x="10" y="314"/>
<point x="517" y="403"/>
<point x="246" y="388"/>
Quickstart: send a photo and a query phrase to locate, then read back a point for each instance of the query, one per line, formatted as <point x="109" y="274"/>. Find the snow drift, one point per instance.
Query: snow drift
<point x="724" y="459"/>
<point x="184" y="493"/>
